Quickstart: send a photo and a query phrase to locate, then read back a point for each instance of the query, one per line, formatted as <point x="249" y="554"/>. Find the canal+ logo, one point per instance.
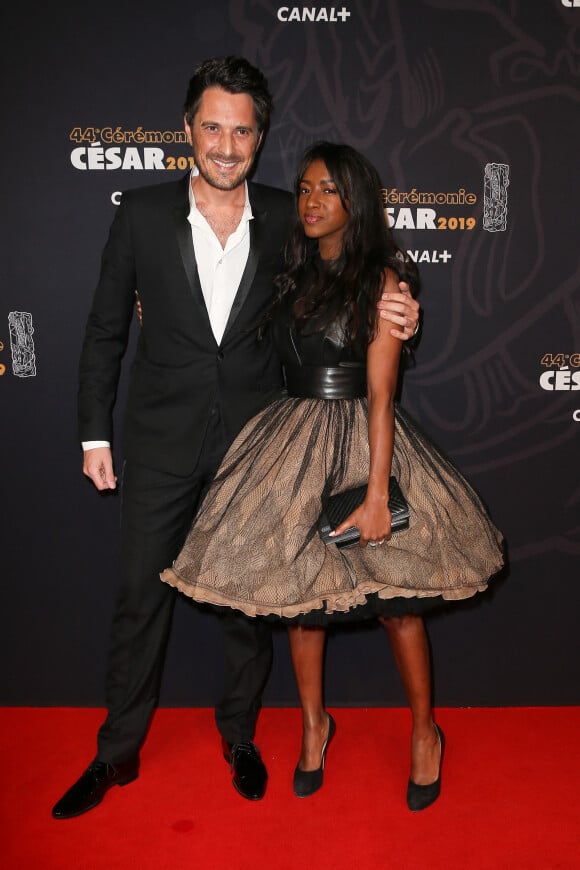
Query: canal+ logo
<point x="312" y="13"/>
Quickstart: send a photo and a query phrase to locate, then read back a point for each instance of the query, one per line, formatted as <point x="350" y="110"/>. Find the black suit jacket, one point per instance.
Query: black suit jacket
<point x="179" y="374"/>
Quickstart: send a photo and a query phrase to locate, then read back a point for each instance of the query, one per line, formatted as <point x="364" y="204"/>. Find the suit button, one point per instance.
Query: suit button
<point x="220" y="355"/>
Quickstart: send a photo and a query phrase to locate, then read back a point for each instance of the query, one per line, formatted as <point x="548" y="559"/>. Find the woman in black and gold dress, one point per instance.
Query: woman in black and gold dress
<point x="255" y="546"/>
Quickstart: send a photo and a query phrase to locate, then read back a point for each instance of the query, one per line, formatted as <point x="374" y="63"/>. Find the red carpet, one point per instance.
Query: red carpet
<point x="510" y="795"/>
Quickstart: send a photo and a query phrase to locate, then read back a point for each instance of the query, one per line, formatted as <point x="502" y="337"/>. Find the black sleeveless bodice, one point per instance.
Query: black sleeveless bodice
<point x="311" y="344"/>
<point x="318" y="361"/>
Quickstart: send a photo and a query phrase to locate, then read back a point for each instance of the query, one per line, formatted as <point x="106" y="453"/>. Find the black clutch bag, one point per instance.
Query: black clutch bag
<point x="336" y="509"/>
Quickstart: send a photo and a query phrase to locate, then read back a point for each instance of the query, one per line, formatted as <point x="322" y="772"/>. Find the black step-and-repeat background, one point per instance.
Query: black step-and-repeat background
<point x="471" y="112"/>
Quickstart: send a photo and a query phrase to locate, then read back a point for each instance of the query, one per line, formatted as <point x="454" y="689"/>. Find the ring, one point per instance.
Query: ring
<point x="376" y="543"/>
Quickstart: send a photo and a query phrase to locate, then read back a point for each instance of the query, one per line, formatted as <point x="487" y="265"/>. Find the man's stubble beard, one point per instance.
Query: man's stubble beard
<point x="215" y="181"/>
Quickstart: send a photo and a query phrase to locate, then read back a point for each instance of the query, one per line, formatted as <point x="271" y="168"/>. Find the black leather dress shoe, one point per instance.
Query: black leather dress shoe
<point x="250" y="774"/>
<point x="90" y="789"/>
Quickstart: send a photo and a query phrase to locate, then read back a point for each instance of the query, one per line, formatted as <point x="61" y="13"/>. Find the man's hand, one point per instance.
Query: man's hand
<point x="98" y="466"/>
<point x="402" y="310"/>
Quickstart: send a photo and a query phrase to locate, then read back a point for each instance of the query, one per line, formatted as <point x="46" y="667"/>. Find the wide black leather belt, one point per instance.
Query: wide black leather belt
<point x="326" y="382"/>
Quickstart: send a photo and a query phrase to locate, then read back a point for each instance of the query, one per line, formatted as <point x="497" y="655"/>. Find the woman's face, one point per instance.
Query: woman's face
<point x="319" y="207"/>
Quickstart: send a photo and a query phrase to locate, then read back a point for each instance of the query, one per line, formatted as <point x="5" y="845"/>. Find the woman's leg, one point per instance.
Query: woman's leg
<point x="411" y="651"/>
<point x="307" y="651"/>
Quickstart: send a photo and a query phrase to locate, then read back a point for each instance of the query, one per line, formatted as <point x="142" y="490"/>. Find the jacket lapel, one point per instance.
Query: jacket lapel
<point x="257" y="226"/>
<point x="185" y="242"/>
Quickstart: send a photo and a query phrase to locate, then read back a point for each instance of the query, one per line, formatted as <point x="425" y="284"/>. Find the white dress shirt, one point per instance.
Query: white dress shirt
<point x="220" y="269"/>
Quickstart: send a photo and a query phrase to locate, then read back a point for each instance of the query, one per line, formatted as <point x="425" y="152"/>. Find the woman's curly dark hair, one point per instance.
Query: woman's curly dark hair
<point x="352" y="284"/>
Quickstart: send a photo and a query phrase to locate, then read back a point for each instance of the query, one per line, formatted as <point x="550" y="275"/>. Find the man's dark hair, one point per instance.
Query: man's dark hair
<point x="235" y="75"/>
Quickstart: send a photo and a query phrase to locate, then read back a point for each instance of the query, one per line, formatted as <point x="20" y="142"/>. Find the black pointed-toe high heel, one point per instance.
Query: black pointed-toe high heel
<point x="419" y="797"/>
<point x="306" y="782"/>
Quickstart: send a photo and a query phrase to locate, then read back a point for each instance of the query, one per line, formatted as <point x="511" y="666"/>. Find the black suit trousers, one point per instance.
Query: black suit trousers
<point x="157" y="509"/>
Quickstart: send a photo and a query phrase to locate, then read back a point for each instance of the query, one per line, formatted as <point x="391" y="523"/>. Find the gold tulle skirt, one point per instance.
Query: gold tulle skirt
<point x="254" y="545"/>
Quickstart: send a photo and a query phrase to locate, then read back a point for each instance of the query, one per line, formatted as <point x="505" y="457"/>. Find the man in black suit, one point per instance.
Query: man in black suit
<point x="202" y="252"/>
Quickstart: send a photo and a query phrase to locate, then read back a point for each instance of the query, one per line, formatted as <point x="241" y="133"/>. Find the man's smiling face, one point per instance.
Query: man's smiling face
<point x="224" y="137"/>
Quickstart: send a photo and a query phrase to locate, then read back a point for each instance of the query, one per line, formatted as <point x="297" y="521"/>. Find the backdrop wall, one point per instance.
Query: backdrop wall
<point x="470" y="111"/>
